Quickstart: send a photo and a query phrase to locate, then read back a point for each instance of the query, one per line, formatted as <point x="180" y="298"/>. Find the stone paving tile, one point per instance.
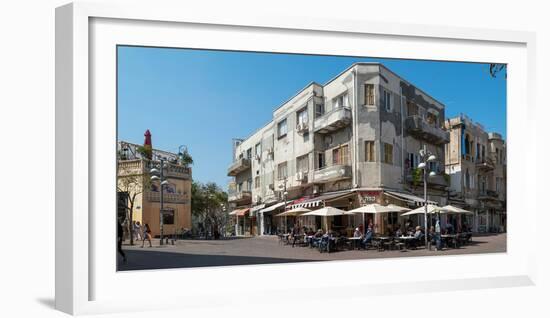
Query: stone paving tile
<point x="266" y="249"/>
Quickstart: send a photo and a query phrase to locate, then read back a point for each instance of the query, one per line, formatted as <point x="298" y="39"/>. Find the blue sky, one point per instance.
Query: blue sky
<point x="203" y="99"/>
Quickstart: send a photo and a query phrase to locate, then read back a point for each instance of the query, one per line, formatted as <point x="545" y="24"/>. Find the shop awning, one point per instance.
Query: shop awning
<point x="273" y="207"/>
<point x="318" y="201"/>
<point x="256" y="208"/>
<point x="409" y="198"/>
<point x="239" y="212"/>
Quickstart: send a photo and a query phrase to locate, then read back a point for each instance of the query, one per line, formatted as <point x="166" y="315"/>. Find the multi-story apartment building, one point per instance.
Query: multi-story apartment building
<point x="353" y="140"/>
<point x="476" y="163"/>
<point x="133" y="178"/>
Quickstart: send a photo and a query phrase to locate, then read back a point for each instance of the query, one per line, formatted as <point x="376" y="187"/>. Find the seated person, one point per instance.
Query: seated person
<point x="398" y="232"/>
<point x="357" y="233"/>
<point x="418" y="234"/>
<point x="368" y="237"/>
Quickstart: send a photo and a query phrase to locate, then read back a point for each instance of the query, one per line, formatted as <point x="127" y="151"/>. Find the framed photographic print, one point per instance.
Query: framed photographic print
<point x="257" y="152"/>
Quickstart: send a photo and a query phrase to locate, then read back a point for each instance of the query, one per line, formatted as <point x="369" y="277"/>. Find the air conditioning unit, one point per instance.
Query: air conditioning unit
<point x="299" y="176"/>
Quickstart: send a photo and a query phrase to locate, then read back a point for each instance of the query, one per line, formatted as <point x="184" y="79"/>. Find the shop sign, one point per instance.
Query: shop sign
<point x="369" y="197"/>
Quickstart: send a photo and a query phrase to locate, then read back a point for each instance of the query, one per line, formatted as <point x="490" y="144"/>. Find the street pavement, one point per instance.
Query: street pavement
<point x="267" y="250"/>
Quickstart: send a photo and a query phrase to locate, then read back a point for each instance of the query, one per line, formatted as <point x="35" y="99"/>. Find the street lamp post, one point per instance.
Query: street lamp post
<point x="426" y="157"/>
<point x="160" y="171"/>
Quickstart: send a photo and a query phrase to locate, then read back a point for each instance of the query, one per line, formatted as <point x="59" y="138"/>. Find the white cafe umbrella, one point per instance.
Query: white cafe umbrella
<point x="454" y="209"/>
<point x="326" y="212"/>
<point x="294" y="212"/>
<point x="432" y="208"/>
<point x="374" y="208"/>
<point x="398" y="208"/>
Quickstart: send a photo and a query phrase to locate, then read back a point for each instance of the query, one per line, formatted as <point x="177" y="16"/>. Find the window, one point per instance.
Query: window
<point x="369" y="94"/>
<point x="386" y="100"/>
<point x="478" y="151"/>
<point x="168" y="216"/>
<point x="388" y="153"/>
<point x="483" y="153"/>
<point x="431" y="119"/>
<point x="412" y="109"/>
<point x="413" y="160"/>
<point x="319" y="110"/>
<point x="282" y="171"/>
<point x="302" y="164"/>
<point x="257" y="182"/>
<point x="467" y="179"/>
<point x="340" y="101"/>
<point x="281" y="129"/>
<point x="320" y="160"/>
<point x="301" y="116"/>
<point x="497" y="184"/>
<point x="258" y="149"/>
<point x="369" y="151"/>
<point x="249" y="185"/>
<point x="249" y="153"/>
<point x="340" y="155"/>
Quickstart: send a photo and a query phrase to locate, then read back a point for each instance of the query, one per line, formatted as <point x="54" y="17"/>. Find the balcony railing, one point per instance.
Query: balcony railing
<point x="240" y="197"/>
<point x="141" y="166"/>
<point x="437" y="181"/>
<point x="332" y="173"/>
<point x="171" y="170"/>
<point x="484" y="165"/>
<point x="488" y="195"/>
<point x="333" y="120"/>
<point x="177" y="198"/>
<point x="238" y="166"/>
<point x="419" y="128"/>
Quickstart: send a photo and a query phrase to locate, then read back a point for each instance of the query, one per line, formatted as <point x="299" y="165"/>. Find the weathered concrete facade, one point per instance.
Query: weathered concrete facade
<point x="476" y="163"/>
<point x="362" y="130"/>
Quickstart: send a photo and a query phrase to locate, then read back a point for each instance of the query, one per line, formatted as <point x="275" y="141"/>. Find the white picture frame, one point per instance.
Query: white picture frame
<point x="87" y="282"/>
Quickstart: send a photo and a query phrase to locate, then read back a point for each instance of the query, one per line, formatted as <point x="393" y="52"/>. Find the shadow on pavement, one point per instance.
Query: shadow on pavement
<point x="138" y="260"/>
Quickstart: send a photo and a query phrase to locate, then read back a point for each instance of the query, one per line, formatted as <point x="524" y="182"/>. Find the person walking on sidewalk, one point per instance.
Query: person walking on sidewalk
<point x="146" y="235"/>
<point x="120" y="233"/>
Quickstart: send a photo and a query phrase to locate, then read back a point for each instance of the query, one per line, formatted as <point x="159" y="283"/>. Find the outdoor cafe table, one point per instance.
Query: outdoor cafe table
<point x="405" y="239"/>
<point x="355" y="241"/>
<point x="382" y="240"/>
<point x="450" y="238"/>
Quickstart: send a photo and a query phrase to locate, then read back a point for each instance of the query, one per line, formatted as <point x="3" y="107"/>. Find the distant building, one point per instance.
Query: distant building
<point x="351" y="141"/>
<point x="133" y="174"/>
<point x="476" y="163"/>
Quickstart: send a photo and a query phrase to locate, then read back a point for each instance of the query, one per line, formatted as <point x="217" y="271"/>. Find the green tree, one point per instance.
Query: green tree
<point x="185" y="158"/>
<point x="209" y="206"/>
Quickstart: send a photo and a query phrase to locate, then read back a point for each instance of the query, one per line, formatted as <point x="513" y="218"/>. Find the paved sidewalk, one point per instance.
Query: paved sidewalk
<point x="266" y="250"/>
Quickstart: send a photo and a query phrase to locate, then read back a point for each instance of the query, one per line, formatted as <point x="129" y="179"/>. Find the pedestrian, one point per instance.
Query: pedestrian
<point x="120" y="233"/>
<point x="146" y="235"/>
<point x="137" y="231"/>
<point x="437" y="236"/>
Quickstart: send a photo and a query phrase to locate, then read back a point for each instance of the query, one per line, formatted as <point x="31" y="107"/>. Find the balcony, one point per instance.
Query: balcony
<point x="484" y="165"/>
<point x="488" y="195"/>
<point x="238" y="166"/>
<point x="332" y="173"/>
<point x="419" y="128"/>
<point x="438" y="181"/>
<point x="239" y="197"/>
<point x="332" y="121"/>
<point x="140" y="166"/>
<point x="176" y="198"/>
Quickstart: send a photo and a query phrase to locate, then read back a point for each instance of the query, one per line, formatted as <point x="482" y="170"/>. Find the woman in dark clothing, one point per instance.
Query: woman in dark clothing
<point x="120" y="233"/>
